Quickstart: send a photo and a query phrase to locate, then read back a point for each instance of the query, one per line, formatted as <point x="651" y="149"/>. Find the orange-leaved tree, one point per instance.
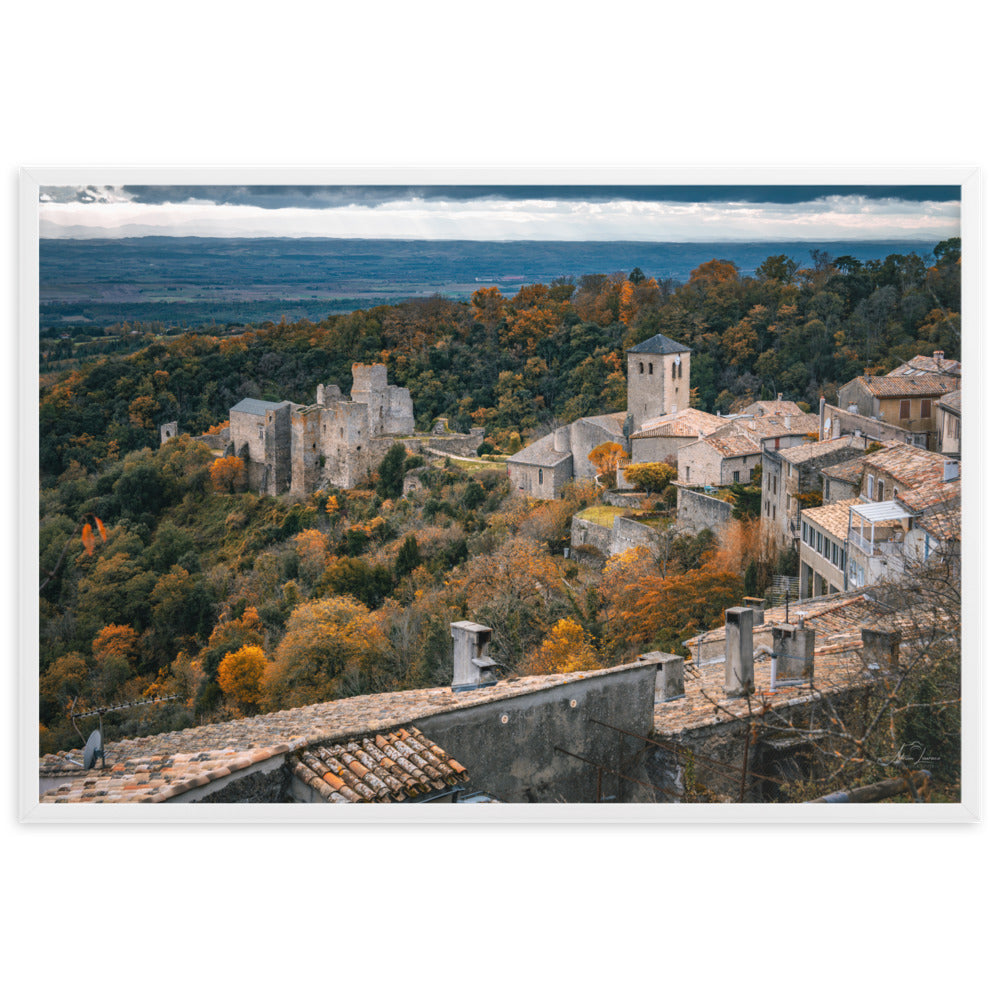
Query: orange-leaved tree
<point x="240" y="676"/>
<point x="228" y="474"/>
<point x="566" y="649"/>
<point x="606" y="458"/>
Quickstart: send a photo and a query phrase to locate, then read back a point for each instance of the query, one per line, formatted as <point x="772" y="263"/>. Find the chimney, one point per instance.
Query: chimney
<point x="757" y="604"/>
<point x="739" y="652"/>
<point x="939" y="358"/>
<point x="880" y="649"/>
<point x="473" y="668"/>
<point x="779" y="397"/>
<point x="822" y="415"/>
<point x="788" y="422"/>
<point x="950" y="470"/>
<point x="669" y="683"/>
<point x="792" y="655"/>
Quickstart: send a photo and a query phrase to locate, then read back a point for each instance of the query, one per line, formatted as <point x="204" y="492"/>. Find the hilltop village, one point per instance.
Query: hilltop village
<point x="864" y="496"/>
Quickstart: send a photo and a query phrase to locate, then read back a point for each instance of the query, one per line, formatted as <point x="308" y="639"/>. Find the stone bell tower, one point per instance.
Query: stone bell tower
<point x="659" y="379"/>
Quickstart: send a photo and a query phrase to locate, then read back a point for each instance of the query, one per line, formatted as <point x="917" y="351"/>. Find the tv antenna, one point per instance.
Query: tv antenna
<point x="95" y="742"/>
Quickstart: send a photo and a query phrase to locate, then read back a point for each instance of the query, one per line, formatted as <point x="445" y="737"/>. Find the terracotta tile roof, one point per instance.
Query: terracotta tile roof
<point x="932" y="495"/>
<point x="773" y="408"/>
<point x="952" y="401"/>
<point x="730" y="443"/>
<point x="921" y="363"/>
<point x="892" y="386"/>
<point x="386" y="767"/>
<point x="848" y="472"/>
<point x="815" y="449"/>
<point x="945" y="525"/>
<point x="910" y="465"/>
<point x="772" y="426"/>
<point x="686" y="423"/>
<point x="832" y="517"/>
<point x="159" y="767"/>
<point x="837" y="619"/>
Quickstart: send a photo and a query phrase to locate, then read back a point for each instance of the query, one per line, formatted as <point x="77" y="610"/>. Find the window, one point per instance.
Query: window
<point x="871" y="487"/>
<point x="687" y="473"/>
<point x="736" y="476"/>
<point x="826" y="548"/>
<point x="539" y="475"/>
<point x="881" y="490"/>
<point x="904" y="409"/>
<point x="925" y="409"/>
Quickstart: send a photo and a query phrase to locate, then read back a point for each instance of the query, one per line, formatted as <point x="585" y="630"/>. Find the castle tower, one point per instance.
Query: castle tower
<point x="659" y="379"/>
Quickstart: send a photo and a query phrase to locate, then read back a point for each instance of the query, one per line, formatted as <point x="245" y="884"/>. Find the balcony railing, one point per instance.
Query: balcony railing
<point x="865" y="544"/>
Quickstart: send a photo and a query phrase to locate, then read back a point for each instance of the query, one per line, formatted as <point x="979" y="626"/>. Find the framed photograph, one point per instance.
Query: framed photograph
<point x="500" y="495"/>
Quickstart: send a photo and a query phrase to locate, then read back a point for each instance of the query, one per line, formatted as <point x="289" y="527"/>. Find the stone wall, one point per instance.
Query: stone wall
<point x="659" y="449"/>
<point x="838" y="421"/>
<point x="584" y="437"/>
<point x="543" y="481"/>
<point x="697" y="511"/>
<point x="583" y="532"/>
<point x="513" y="748"/>
<point x="630" y="534"/>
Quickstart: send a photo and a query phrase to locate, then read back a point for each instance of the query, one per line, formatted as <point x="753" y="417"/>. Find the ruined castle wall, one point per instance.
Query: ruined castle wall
<point x="345" y="444"/>
<point x="247" y="429"/>
<point x="305" y="450"/>
<point x="277" y="449"/>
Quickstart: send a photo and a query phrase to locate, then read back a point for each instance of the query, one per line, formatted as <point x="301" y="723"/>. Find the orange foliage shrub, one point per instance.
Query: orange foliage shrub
<point x="229" y="475"/>
<point x="241" y="673"/>
<point x="567" y="648"/>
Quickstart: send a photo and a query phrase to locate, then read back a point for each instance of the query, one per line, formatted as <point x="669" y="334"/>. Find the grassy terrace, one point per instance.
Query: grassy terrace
<point x="602" y="515"/>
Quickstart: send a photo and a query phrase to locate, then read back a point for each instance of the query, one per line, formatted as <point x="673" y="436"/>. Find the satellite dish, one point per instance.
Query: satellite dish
<point x="93" y="749"/>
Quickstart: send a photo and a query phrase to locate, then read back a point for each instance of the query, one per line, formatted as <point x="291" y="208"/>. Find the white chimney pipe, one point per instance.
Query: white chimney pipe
<point x="472" y="667"/>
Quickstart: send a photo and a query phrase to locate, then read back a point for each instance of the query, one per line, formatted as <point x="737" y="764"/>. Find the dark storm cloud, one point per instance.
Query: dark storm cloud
<point x="316" y="196"/>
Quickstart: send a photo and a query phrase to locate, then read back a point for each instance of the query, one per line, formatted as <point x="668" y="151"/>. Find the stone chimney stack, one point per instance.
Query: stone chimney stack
<point x="669" y="683"/>
<point x="739" y="652"/>
<point x="793" y="656"/>
<point x="939" y="358"/>
<point x="473" y="668"/>
<point x="822" y="415"/>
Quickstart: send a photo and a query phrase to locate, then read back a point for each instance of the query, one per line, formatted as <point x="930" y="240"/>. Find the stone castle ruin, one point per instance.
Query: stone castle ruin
<point x="336" y="441"/>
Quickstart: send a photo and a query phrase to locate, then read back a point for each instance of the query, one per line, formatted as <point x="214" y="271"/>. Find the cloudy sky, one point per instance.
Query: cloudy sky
<point x="580" y="212"/>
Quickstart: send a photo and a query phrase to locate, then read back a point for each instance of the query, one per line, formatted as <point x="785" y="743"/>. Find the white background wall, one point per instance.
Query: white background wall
<point x="453" y="83"/>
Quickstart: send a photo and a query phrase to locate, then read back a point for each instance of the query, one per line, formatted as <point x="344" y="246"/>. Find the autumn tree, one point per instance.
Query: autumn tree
<point x="653" y="477"/>
<point x="567" y="648"/>
<point x="240" y="676"/>
<point x="606" y="458"/>
<point x="228" y="475"/>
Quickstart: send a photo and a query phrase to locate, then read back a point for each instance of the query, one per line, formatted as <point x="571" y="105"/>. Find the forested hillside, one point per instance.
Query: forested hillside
<point x="238" y="603"/>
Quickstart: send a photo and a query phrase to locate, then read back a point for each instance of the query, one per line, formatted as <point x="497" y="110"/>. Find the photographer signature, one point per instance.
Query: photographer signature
<point x="904" y="755"/>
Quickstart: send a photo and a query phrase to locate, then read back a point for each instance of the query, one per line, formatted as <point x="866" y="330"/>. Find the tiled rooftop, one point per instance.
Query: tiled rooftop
<point x="386" y="767"/>
<point x="933" y="495"/>
<point x="815" y="449"/>
<point x="952" y="401"/>
<point x="773" y="408"/>
<point x="659" y="344"/>
<point x="837" y="620"/>
<point x="686" y="423"/>
<point x="832" y="517"/>
<point x="849" y="471"/>
<point x="541" y="452"/>
<point x="730" y="443"/>
<point x="908" y="464"/>
<point x="162" y="766"/>
<point x="893" y="386"/>
<point x="921" y="363"/>
<point x="945" y="525"/>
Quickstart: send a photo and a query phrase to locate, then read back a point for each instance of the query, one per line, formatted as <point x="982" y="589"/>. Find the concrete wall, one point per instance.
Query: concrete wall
<point x="697" y="511"/>
<point x="509" y="746"/>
